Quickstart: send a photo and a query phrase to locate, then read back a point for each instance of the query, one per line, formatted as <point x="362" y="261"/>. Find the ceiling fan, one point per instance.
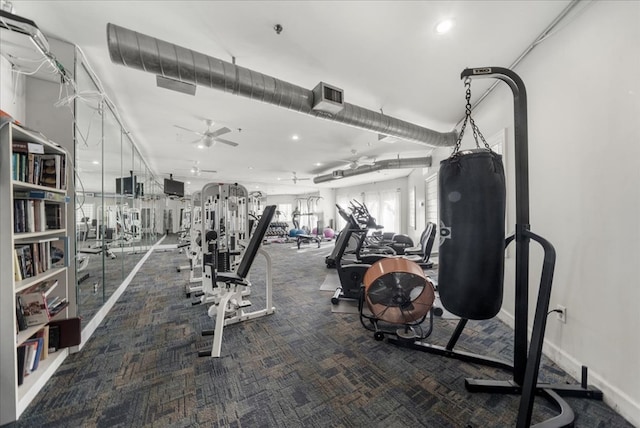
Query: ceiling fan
<point x="356" y="162"/>
<point x="195" y="170"/>
<point x="295" y="178"/>
<point x="210" y="137"/>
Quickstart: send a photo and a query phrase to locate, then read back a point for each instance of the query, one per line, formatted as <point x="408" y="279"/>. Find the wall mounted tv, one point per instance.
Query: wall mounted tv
<point x="126" y="186"/>
<point x="173" y="187"/>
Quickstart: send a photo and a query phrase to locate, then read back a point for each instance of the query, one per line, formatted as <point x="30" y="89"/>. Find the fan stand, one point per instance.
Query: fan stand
<point x="407" y="333"/>
<point x="525" y="368"/>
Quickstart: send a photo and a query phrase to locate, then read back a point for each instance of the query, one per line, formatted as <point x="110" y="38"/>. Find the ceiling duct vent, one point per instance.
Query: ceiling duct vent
<point x="376" y="166"/>
<point x="327" y="98"/>
<point x="156" y="56"/>
<point x="389" y="139"/>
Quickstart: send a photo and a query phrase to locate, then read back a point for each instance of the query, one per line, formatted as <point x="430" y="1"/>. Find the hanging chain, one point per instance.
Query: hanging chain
<point x="468" y="118"/>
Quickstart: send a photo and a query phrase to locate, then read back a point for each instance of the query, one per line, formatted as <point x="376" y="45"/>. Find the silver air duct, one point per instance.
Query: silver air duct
<point x="377" y="166"/>
<point x="135" y="50"/>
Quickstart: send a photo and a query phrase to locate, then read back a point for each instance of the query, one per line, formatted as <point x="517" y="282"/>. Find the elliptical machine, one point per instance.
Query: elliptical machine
<point x="352" y="273"/>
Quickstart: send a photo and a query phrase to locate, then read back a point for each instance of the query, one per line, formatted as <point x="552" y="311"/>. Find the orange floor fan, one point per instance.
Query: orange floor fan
<point x="399" y="298"/>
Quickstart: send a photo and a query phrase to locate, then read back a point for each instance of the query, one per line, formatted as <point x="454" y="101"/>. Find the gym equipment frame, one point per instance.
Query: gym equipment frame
<point x="526" y="363"/>
<point x="229" y="309"/>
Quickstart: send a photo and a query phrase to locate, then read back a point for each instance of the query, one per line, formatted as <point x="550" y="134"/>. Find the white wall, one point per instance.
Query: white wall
<point x="12" y="91"/>
<point x="584" y="160"/>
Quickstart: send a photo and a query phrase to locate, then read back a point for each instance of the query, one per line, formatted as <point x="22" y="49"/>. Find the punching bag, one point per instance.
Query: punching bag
<point x="472" y="238"/>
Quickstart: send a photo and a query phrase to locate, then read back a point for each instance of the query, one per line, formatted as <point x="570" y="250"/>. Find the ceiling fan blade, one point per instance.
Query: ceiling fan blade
<point x="223" y="141"/>
<point x="195" y="141"/>
<point x="220" y="131"/>
<point x="190" y="130"/>
<point x="209" y="171"/>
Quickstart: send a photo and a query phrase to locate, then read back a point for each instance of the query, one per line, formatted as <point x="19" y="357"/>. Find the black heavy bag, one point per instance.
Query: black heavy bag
<point x="472" y="238"/>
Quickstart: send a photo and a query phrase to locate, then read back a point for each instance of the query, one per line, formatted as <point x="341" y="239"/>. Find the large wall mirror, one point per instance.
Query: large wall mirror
<point x="116" y="203"/>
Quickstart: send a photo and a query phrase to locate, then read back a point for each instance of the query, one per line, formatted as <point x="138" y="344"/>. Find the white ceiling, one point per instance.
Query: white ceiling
<point x="385" y="55"/>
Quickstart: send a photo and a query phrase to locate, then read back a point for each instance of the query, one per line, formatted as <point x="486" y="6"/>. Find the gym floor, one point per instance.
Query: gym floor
<point x="302" y="366"/>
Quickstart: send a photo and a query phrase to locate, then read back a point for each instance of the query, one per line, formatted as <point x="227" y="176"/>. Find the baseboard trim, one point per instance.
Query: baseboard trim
<point x="619" y="401"/>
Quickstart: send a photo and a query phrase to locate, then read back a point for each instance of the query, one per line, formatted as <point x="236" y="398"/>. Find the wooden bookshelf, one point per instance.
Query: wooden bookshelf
<point x="27" y="187"/>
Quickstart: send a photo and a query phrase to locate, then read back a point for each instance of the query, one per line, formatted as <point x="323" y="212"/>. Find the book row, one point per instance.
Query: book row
<point x="50" y="338"/>
<point x="38" y="257"/>
<point x="31" y="352"/>
<point x="37" y="305"/>
<point x="31" y="215"/>
<point x="32" y="165"/>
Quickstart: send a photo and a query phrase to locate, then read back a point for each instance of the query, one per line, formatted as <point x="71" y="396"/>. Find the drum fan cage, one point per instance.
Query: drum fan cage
<point x="397" y="291"/>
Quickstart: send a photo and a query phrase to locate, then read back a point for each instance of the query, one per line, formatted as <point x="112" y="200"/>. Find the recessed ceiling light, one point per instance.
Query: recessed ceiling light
<point x="318" y="164"/>
<point x="96" y="162"/>
<point x="295" y="137"/>
<point x="444" y="26"/>
<point x="250" y="167"/>
<point x="188" y="182"/>
<point x="200" y="146"/>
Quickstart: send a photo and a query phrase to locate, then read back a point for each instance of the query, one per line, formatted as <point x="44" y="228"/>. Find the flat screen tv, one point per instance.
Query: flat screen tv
<point x="125" y="185"/>
<point x="173" y="187"/>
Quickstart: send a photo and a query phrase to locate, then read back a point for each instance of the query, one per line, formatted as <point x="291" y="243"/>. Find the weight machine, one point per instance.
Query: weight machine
<point x="231" y="287"/>
<point x="224" y="226"/>
<point x="193" y="246"/>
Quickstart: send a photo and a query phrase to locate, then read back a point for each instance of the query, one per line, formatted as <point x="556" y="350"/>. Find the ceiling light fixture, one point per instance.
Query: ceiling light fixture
<point x="318" y="164"/>
<point x="444" y="26"/>
<point x="295" y="137"/>
<point x="96" y="162"/>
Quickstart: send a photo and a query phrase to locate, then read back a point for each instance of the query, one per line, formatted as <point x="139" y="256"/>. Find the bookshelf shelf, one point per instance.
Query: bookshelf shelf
<point x="30" y="383"/>
<point x="26" y="283"/>
<point x="21" y="185"/>
<point x="33" y="220"/>
<point x="30" y="236"/>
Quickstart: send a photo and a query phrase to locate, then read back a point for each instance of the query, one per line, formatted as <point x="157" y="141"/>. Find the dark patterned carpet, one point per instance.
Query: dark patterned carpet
<point x="302" y="366"/>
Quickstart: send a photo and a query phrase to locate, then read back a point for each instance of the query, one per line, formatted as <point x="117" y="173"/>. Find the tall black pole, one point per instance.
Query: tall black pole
<point x="521" y="144"/>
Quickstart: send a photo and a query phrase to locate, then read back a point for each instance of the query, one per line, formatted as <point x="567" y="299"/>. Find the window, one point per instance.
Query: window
<point x="431" y="204"/>
<point x="384" y="206"/>
<point x="283" y="212"/>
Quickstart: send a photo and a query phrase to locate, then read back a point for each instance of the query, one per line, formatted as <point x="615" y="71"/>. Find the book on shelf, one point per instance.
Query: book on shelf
<point x="21" y="351"/>
<point x="22" y="322"/>
<point x="38" y="306"/>
<point x="25" y="260"/>
<point x="64" y="333"/>
<point x="17" y="272"/>
<point x="44" y="334"/>
<point x="34" y="308"/>
<point x="52" y="171"/>
<point x="34" y="258"/>
<point x="32" y="355"/>
<point x="53" y="215"/>
<point x="26" y="160"/>
<point x="59" y="250"/>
